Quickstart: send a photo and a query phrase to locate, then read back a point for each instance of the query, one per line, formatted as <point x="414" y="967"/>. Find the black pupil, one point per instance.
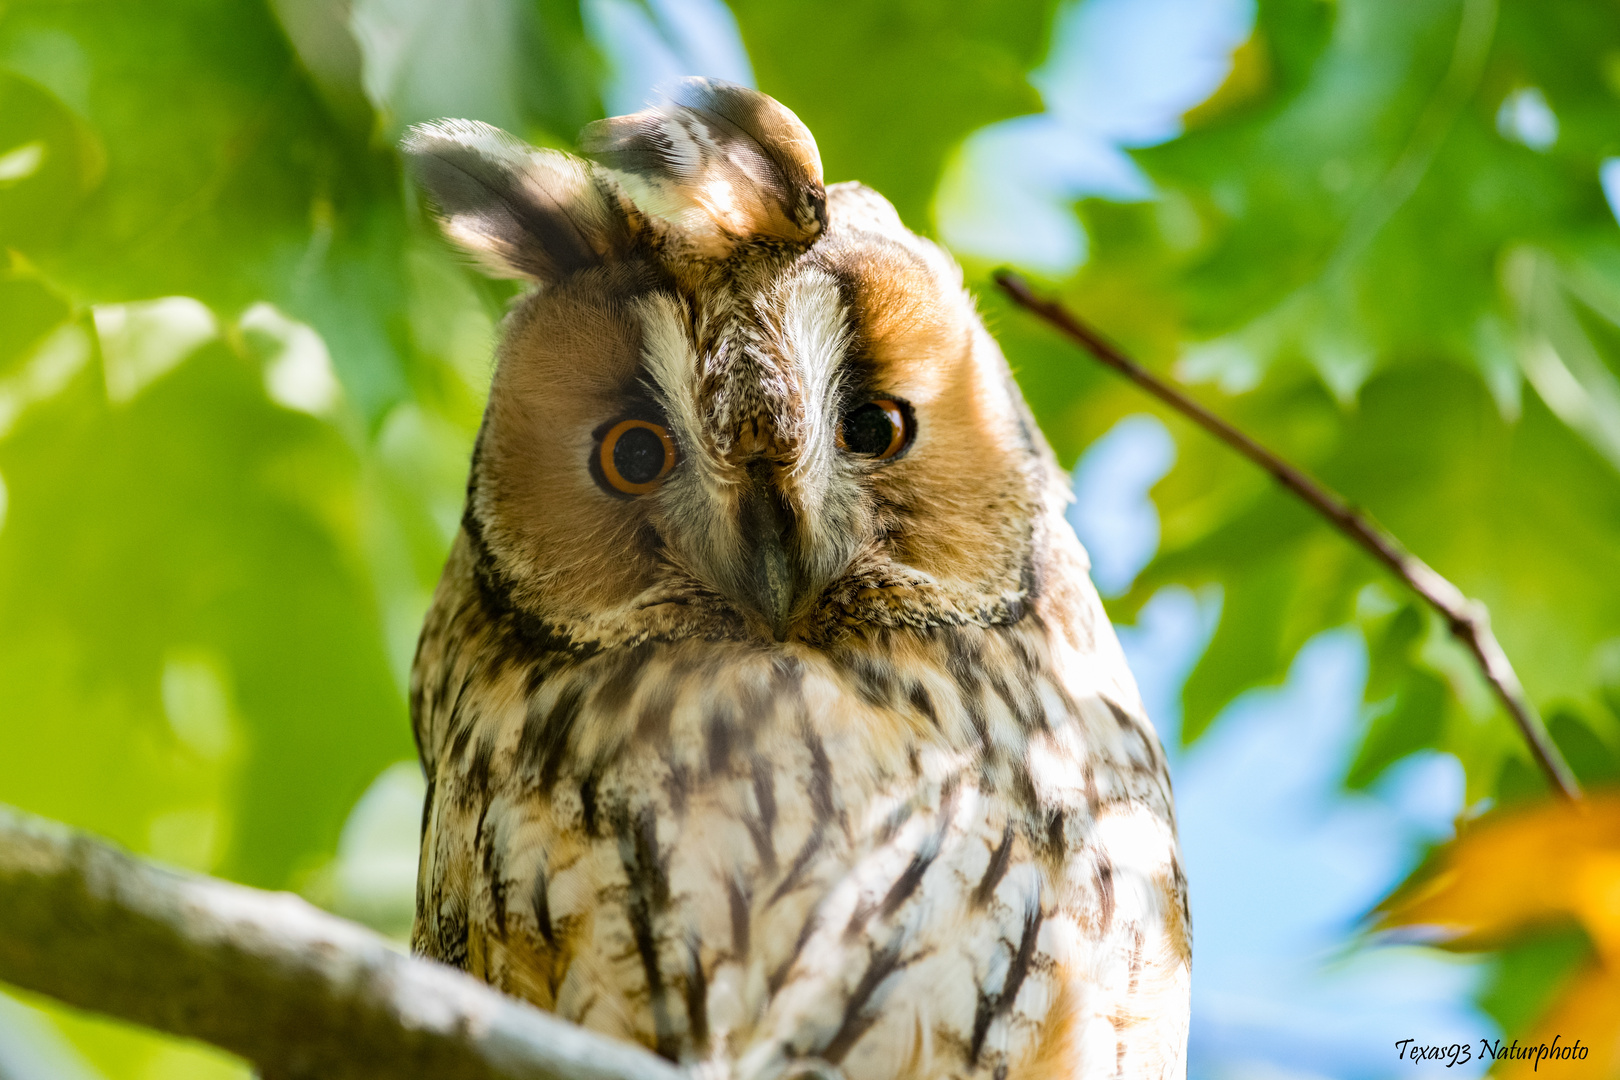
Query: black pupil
<point x="638" y="455"/>
<point x="868" y="430"/>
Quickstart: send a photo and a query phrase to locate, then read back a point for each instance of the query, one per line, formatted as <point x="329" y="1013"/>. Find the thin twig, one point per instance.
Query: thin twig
<point x="301" y="994"/>
<point x="1468" y="619"/>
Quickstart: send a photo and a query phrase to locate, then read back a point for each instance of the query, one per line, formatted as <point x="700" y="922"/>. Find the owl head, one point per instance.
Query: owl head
<point x="737" y="402"/>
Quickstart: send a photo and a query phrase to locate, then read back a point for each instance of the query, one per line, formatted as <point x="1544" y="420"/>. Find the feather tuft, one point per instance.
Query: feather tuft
<point x="717" y="164"/>
<point x="522" y="212"/>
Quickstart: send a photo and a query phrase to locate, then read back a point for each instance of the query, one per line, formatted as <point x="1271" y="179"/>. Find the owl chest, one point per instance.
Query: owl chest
<point x="701" y="856"/>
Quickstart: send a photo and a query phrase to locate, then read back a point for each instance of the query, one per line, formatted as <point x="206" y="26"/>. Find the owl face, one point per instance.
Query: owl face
<point x="738" y="403"/>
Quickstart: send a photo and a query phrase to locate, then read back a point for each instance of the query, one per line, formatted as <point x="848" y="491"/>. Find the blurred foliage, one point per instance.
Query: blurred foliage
<point x="239" y="377"/>
<point x="890" y="88"/>
<point x="1384" y="249"/>
<point x="1356" y="249"/>
<point x="1536" y="869"/>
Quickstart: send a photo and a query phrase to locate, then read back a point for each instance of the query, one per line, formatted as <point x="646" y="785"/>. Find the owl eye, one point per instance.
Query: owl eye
<point x="635" y="456"/>
<point x="879" y="429"/>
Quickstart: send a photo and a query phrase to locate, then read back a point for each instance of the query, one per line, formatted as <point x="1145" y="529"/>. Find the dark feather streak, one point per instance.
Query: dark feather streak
<point x="872" y="680"/>
<point x="476" y="783"/>
<point x="801" y="862"/>
<point x="912" y="875"/>
<point x="1104" y="880"/>
<point x="718" y="734"/>
<point x="738" y="901"/>
<point x="587" y="804"/>
<point x="495" y="874"/>
<point x="858" y="1019"/>
<point x="648" y="897"/>
<point x="652" y="721"/>
<point x="543" y="744"/>
<point x="697" y="998"/>
<point x="774" y="981"/>
<point x="1057" y="843"/>
<point x="761" y="829"/>
<point x="620" y="676"/>
<point x="821" y="780"/>
<point x="992" y="1006"/>
<point x="540" y="901"/>
<point x="923" y="703"/>
<point x="1000" y="859"/>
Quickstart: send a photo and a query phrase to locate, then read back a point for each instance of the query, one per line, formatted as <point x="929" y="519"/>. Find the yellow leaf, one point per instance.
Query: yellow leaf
<point x="1513" y="871"/>
<point x="1508" y="872"/>
<point x="1596" y="898"/>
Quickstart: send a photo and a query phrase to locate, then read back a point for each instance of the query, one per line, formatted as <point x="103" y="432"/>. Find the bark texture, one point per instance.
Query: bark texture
<point x="294" y="990"/>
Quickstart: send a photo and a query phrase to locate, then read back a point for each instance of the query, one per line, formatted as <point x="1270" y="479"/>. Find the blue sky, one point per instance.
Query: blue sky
<point x="1119" y="74"/>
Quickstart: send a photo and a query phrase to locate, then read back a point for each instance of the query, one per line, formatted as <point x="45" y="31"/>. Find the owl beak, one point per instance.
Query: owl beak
<point x="770" y="585"/>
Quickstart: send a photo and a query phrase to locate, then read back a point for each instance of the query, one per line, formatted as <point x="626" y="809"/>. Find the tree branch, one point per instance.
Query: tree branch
<point x="1468" y="619"/>
<point x="294" y="990"/>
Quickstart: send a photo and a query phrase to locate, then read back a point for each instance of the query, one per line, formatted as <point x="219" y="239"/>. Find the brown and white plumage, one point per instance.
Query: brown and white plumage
<point x="804" y="762"/>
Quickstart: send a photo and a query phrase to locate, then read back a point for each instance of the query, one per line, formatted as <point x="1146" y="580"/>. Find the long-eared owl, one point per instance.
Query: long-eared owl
<point x="769" y="715"/>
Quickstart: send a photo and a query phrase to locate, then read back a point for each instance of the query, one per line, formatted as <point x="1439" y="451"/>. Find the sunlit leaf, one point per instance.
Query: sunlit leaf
<point x="1569" y="861"/>
<point x="1530" y="869"/>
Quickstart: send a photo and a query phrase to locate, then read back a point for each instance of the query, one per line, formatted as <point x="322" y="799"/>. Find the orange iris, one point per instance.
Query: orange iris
<point x="635" y="456"/>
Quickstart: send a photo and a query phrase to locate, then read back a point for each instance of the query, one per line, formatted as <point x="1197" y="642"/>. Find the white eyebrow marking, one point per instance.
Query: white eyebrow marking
<point x="814" y="333"/>
<point x="672" y="362"/>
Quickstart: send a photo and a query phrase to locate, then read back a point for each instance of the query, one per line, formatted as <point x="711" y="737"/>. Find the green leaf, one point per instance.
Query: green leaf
<point x="110" y="577"/>
<point x="1590" y="756"/>
<point x="1412" y="721"/>
<point x="890" y="88"/>
<point x="29" y="309"/>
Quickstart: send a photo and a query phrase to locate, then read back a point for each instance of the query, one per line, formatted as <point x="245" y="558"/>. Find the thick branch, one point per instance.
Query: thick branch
<point x="295" y="991"/>
<point x="1468" y="619"/>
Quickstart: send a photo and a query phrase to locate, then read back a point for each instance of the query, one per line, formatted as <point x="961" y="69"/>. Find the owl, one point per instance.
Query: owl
<point x="769" y="716"/>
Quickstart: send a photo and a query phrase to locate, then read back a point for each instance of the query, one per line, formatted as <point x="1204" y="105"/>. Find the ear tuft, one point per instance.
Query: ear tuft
<point x="522" y="212"/>
<point x="716" y="163"/>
